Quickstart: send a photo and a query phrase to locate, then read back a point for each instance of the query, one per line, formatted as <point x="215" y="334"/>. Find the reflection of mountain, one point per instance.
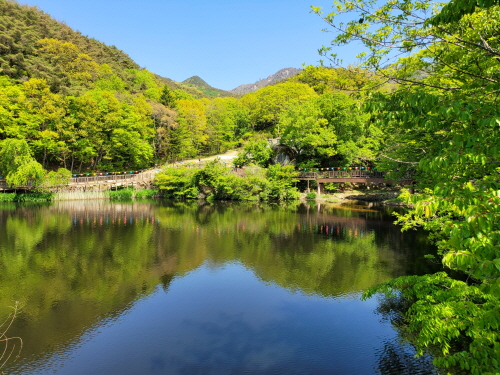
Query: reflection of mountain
<point x="73" y="264"/>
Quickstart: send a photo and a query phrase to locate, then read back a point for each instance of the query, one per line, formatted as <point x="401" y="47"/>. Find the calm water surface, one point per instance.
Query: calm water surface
<point x="184" y="288"/>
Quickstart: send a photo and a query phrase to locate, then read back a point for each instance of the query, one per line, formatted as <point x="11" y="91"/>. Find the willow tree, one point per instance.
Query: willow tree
<point x="18" y="165"/>
<point x="448" y="72"/>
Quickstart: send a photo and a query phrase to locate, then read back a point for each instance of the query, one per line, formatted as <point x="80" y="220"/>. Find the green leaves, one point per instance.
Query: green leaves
<point x="17" y="163"/>
<point x="443" y="311"/>
<point x="266" y="104"/>
<point x="256" y="151"/>
<point x="441" y="127"/>
<point x="216" y="181"/>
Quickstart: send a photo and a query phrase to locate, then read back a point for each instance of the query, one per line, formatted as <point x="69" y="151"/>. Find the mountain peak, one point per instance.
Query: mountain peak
<point x="196" y="81"/>
<point x="280" y="75"/>
<point x="201" y="85"/>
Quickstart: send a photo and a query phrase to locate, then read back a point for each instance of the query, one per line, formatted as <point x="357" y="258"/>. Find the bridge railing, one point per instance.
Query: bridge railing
<point x="195" y="165"/>
<point x="342" y="174"/>
<point x="112" y="178"/>
<point x="92" y="180"/>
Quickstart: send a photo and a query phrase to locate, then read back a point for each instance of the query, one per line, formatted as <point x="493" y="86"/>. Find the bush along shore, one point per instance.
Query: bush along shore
<point x="216" y="181"/>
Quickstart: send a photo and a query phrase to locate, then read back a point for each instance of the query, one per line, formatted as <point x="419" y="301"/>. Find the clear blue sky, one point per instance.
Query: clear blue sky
<point x="225" y="42"/>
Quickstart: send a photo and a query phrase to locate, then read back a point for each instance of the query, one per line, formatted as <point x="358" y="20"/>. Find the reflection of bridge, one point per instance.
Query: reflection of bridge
<point x="355" y="176"/>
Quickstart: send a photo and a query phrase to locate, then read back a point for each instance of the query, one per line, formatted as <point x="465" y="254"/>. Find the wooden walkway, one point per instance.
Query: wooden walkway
<point x="353" y="176"/>
<point x="344" y="176"/>
<point x="98" y="182"/>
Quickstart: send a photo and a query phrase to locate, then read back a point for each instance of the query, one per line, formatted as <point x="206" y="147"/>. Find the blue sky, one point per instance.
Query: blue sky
<point x="225" y="42"/>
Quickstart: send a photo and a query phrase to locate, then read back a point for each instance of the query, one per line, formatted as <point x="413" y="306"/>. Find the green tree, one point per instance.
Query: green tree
<point x="18" y="164"/>
<point x="143" y="81"/>
<point x="222" y="123"/>
<point x="306" y="131"/>
<point x="48" y="110"/>
<point x="266" y="104"/>
<point x="15" y="120"/>
<point x="165" y="123"/>
<point x="57" y="179"/>
<point x="190" y="136"/>
<point x="282" y="182"/>
<point x="167" y="98"/>
<point x="78" y="68"/>
<point x="109" y="80"/>
<point x="326" y="80"/>
<point x="329" y="128"/>
<point x="182" y="95"/>
<point x="256" y="151"/>
<point x="448" y="76"/>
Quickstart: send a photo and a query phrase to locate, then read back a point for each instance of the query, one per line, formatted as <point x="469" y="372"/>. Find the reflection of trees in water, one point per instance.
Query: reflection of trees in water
<point x="396" y="358"/>
<point x="82" y="261"/>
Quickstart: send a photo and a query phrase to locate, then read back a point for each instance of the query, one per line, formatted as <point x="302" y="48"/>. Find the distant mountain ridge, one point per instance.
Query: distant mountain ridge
<point x="280" y="75"/>
<point x="200" y="84"/>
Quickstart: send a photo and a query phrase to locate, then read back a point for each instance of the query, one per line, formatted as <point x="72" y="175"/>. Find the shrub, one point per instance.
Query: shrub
<point x="281" y="182"/>
<point x="146" y="193"/>
<point x="311" y="196"/>
<point x="177" y="182"/>
<point x="120" y="195"/>
<point x="216" y="182"/>
<point x="257" y="151"/>
<point x="34" y="197"/>
<point x="7" y="197"/>
<point x="331" y="187"/>
<point x="208" y="180"/>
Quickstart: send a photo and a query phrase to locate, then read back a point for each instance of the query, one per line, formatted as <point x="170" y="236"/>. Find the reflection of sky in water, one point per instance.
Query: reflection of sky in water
<point x="225" y="321"/>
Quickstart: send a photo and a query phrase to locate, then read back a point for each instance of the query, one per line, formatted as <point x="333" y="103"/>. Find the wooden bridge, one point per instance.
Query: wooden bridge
<point x="98" y="182"/>
<point x="354" y="176"/>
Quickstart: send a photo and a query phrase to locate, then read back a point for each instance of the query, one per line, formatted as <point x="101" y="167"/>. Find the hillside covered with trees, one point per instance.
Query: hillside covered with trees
<point x="68" y="101"/>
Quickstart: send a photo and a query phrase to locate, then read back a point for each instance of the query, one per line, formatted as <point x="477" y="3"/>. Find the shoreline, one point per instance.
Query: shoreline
<point x="388" y="198"/>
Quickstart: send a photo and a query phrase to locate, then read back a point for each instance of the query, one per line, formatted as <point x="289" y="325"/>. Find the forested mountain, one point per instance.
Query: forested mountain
<point x="70" y="101"/>
<point x="73" y="102"/>
<point x="204" y="87"/>
<point x="174" y="85"/>
<point x="21" y="29"/>
<point x="279" y="76"/>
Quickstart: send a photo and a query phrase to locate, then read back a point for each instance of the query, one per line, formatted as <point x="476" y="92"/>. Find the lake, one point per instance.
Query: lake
<point x="159" y="287"/>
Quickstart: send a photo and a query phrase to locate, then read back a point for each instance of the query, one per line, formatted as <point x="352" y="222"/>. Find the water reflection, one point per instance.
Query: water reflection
<point x="258" y="288"/>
